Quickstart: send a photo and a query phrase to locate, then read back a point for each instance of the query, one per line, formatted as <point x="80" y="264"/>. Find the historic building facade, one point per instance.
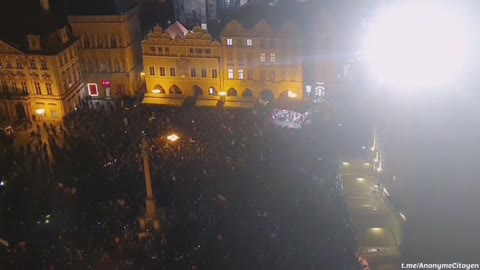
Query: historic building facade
<point x="262" y="61"/>
<point x="110" y="53"/>
<point x="41" y="78"/>
<point x="257" y="62"/>
<point x="178" y="61"/>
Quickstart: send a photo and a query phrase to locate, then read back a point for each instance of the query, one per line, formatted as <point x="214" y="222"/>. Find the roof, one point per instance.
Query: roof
<point x="176" y="30"/>
<point x="35" y="21"/>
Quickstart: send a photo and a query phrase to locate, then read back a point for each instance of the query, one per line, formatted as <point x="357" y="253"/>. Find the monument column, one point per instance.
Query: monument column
<point x="151" y="217"/>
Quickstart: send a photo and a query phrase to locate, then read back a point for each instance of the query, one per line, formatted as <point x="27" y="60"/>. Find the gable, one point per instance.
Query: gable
<point x="8" y="49"/>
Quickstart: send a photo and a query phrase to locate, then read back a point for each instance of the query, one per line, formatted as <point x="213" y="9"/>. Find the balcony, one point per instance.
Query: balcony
<point x="14" y="95"/>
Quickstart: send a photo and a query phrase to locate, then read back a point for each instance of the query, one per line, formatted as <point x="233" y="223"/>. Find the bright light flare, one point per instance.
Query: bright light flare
<point x="173" y="137"/>
<point x="292" y="94"/>
<point x="419" y="44"/>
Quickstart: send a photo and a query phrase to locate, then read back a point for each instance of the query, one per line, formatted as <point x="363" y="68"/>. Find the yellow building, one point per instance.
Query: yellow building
<point x="110" y="53"/>
<point x="262" y="61"/>
<point x="40" y="76"/>
<point x="178" y="61"/>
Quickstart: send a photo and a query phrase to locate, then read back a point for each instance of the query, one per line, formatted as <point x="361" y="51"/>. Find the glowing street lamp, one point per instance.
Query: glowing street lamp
<point x="173" y="137"/>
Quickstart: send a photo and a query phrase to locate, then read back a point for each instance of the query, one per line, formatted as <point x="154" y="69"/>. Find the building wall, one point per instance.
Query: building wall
<point x="271" y="59"/>
<point x="38" y="86"/>
<point x="197" y="51"/>
<point x="110" y="53"/>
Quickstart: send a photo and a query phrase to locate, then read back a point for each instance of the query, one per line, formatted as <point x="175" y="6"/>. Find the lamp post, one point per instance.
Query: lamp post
<point x="151" y="216"/>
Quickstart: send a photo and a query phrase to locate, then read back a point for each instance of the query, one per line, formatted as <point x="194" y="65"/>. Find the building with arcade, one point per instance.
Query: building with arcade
<point x="253" y="62"/>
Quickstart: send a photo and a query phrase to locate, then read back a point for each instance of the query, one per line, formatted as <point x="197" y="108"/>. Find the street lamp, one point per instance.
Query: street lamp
<point x="173" y="137"/>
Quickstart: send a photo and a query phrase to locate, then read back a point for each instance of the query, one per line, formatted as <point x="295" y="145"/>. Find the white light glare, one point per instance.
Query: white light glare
<point x="421" y="44"/>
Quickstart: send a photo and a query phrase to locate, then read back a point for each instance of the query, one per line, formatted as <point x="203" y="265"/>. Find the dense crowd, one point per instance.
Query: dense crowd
<point x="235" y="193"/>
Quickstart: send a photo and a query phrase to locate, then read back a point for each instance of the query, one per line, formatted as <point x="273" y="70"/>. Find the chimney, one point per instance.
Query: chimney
<point x="45" y="5"/>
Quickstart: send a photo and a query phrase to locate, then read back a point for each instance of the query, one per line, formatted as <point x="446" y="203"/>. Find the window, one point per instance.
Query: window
<point x="240" y="74"/>
<point x="160" y="49"/>
<point x="86" y="42"/>
<point x="113" y="42"/>
<point x="19" y="64"/>
<point x="262" y="57"/>
<point x="249" y="42"/>
<point x="92" y="89"/>
<point x="32" y="64"/>
<point x="43" y="64"/>
<point x="204" y="72"/>
<point x="167" y="50"/>
<point x="191" y="51"/>
<point x="262" y="75"/>
<point x="272" y="76"/>
<point x="8" y="63"/>
<point x="230" y="73"/>
<point x="272" y="57"/>
<point x="38" y="89"/>
<point x="153" y="49"/>
<point x="282" y="76"/>
<point x="193" y="72"/>
<point x="151" y="71"/>
<point x="214" y="73"/>
<point x="49" y="88"/>
<point x="199" y="51"/>
<point x="163" y="73"/>
<point x="172" y="72"/>
<point x="229" y="57"/>
<point x="4" y="86"/>
<point x="24" y="87"/>
<point x="208" y="51"/>
<point x="273" y="44"/>
<point x="229" y="41"/>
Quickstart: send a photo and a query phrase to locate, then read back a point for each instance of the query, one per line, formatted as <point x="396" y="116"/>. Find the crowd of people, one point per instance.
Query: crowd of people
<point x="235" y="193"/>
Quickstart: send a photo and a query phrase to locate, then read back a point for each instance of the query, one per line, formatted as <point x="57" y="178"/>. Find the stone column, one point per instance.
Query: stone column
<point x="151" y="218"/>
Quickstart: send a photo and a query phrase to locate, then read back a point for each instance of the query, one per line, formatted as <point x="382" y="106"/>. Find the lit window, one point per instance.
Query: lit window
<point x="229" y="41"/>
<point x="262" y="57"/>
<point x="92" y="89"/>
<point x="163" y="73"/>
<point x="193" y="72"/>
<point x="249" y="42"/>
<point x="173" y="72"/>
<point x="214" y="73"/>
<point x="43" y="64"/>
<point x="204" y="72"/>
<point x="272" y="57"/>
<point x="240" y="74"/>
<point x="49" y="88"/>
<point x="152" y="71"/>
<point x="38" y="89"/>
<point x="24" y="87"/>
<point x="230" y="73"/>
<point x="32" y="64"/>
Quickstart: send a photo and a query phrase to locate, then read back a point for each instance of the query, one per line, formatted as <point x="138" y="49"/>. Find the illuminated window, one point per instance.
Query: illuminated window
<point x="173" y="72"/>
<point x="272" y="57"/>
<point x="43" y="64"/>
<point x="24" y="87"/>
<point x="230" y="73"/>
<point x="19" y="64"/>
<point x="240" y="74"/>
<point x="151" y="71"/>
<point x="214" y="73"/>
<point x="204" y="72"/>
<point x="249" y="42"/>
<point x="163" y="72"/>
<point x="193" y="72"/>
<point x="49" y="88"/>
<point x="92" y="89"/>
<point x="38" y="89"/>
<point x="262" y="57"/>
<point x="32" y="63"/>
<point x="229" y="41"/>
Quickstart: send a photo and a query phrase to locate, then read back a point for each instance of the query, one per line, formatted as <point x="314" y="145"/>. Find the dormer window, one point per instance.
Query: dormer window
<point x="33" y="42"/>
<point x="63" y="34"/>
